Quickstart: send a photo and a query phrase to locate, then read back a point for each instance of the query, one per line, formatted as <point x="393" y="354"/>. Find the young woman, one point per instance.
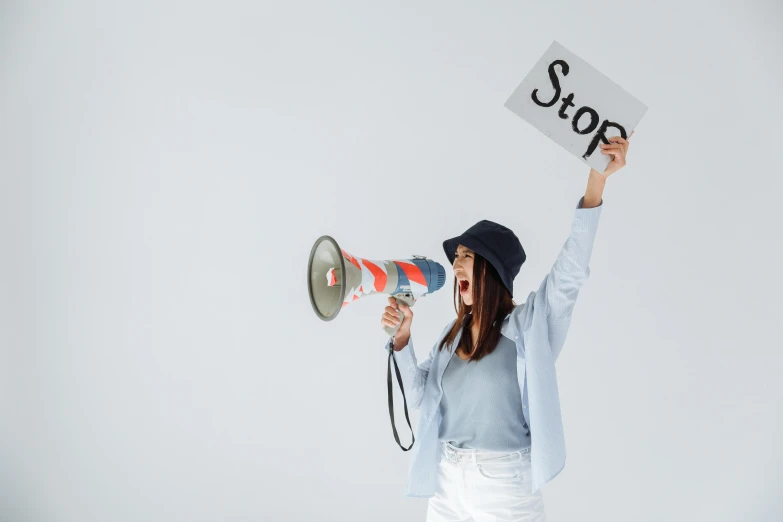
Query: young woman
<point x="490" y="432"/>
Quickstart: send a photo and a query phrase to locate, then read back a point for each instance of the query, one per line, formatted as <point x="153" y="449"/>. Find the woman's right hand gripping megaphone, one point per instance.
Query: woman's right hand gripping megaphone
<point x="398" y="313"/>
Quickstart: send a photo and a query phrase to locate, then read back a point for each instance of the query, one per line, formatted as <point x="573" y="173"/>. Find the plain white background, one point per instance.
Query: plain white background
<point x="165" y="168"/>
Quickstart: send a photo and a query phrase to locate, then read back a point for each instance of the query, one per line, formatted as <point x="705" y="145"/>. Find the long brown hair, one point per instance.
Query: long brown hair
<point x="491" y="304"/>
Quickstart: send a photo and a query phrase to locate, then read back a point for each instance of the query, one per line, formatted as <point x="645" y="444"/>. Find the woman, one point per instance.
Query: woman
<point x="490" y="432"/>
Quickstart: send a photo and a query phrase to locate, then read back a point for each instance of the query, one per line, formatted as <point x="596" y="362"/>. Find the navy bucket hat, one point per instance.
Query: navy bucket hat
<point x="496" y="243"/>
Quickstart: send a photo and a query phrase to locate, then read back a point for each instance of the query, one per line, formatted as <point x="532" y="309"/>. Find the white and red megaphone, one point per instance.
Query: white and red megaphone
<point x="335" y="279"/>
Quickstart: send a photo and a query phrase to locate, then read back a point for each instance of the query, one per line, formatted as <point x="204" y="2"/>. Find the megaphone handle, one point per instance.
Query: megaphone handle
<point x="400" y="298"/>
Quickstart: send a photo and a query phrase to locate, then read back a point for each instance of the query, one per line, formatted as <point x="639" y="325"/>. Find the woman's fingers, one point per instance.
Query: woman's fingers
<point x="391" y="314"/>
<point x="390" y="322"/>
<point x="620" y="139"/>
<point x="615" y="149"/>
<point x="391" y="318"/>
<point x="617" y="143"/>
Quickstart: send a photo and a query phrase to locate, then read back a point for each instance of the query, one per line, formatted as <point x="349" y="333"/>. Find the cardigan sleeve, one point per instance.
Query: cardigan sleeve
<point x="569" y="272"/>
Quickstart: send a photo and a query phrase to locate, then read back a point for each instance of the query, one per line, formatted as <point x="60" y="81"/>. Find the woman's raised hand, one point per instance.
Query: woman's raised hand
<point x="618" y="148"/>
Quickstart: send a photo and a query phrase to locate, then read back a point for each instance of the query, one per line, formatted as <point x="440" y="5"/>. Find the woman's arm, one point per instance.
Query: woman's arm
<point x="595" y="190"/>
<point x="561" y="286"/>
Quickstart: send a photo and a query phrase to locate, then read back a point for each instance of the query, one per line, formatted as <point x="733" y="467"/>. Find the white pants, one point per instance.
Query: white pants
<point x="484" y="486"/>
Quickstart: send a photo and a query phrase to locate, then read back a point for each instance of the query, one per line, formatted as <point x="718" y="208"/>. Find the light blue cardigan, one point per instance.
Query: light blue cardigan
<point x="539" y="328"/>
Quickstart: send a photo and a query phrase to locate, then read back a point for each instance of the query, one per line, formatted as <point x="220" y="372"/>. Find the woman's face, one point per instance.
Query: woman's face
<point x="463" y="271"/>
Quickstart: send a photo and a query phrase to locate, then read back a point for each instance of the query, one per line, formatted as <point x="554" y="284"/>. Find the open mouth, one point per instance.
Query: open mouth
<point x="463" y="286"/>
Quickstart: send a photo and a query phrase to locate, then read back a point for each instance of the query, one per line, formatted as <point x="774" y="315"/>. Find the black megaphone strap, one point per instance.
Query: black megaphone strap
<point x="391" y="400"/>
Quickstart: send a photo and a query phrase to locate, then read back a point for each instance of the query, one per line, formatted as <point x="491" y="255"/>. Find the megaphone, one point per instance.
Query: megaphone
<point x="336" y="279"/>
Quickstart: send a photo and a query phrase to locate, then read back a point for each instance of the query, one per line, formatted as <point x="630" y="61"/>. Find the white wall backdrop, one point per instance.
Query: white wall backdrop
<point x="165" y="168"/>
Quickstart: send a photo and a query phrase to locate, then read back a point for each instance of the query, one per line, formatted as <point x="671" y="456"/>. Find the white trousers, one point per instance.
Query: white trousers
<point x="484" y="486"/>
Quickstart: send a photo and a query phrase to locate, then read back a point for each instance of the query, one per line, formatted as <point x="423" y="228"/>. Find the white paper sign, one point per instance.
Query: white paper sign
<point x="570" y="101"/>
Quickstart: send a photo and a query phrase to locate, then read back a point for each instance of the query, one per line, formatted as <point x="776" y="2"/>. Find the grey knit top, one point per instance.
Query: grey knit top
<point x="481" y="406"/>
